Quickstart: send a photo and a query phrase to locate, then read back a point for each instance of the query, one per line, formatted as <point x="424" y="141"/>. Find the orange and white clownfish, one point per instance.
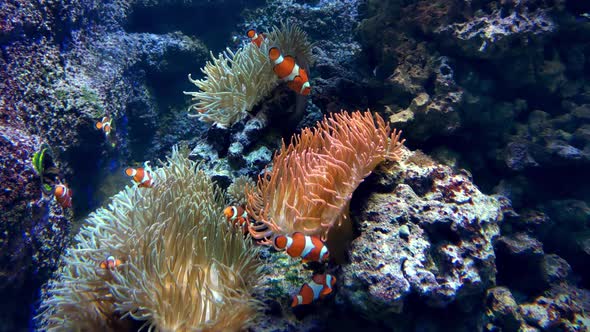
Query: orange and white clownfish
<point x="237" y="215"/>
<point x="309" y="248"/>
<point x="63" y="195"/>
<point x="141" y="175"/>
<point x="319" y="286"/>
<point x="110" y="263"/>
<point x="288" y="70"/>
<point x="255" y="37"/>
<point x="105" y="125"/>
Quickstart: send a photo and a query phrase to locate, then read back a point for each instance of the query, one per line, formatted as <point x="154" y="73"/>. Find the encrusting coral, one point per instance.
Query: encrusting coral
<point x="236" y="81"/>
<point x="182" y="268"/>
<point x="312" y="180"/>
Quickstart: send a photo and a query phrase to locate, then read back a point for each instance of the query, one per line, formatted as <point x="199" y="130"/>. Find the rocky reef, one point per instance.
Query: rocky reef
<point x="485" y="223"/>
<point x="33" y="227"/>
<point x="64" y="65"/>
<point x="430" y="237"/>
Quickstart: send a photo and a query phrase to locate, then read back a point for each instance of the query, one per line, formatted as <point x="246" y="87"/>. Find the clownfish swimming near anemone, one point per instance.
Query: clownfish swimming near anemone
<point x="309" y="248"/>
<point x="105" y="125"/>
<point x="319" y="286"/>
<point x="289" y="71"/>
<point x="110" y="263"/>
<point x="237" y="215"/>
<point x="63" y="195"/>
<point x="141" y="175"/>
<point x="256" y="38"/>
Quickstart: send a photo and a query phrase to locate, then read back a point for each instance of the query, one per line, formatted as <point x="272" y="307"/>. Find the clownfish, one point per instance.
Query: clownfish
<point x="289" y="71"/>
<point x="141" y="175"/>
<point x="110" y="263"/>
<point x="255" y="37"/>
<point x="63" y="195"/>
<point x="237" y="215"/>
<point x="309" y="248"/>
<point x="105" y="125"/>
<point x="319" y="286"/>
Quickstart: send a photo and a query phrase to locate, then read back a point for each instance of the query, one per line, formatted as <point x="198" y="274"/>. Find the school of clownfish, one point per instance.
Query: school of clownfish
<point x="297" y="245"/>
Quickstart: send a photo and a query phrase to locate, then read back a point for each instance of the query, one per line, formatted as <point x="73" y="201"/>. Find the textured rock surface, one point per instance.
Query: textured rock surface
<point x="413" y="81"/>
<point x="550" y="141"/>
<point x="65" y="64"/>
<point x="569" y="235"/>
<point x="33" y="228"/>
<point x="496" y="33"/>
<point x="447" y="256"/>
<point x="502" y="310"/>
<point x="509" y="77"/>
<point x="562" y="308"/>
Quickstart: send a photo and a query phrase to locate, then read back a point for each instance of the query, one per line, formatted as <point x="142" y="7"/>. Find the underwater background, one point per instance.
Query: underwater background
<point x="479" y="222"/>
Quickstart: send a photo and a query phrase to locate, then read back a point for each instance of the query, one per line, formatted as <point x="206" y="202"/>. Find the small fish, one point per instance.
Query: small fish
<point x="63" y="195"/>
<point x="105" y="125"/>
<point x="319" y="286"/>
<point x="309" y="248"/>
<point x="110" y="263"/>
<point x="289" y="71"/>
<point x="141" y="175"/>
<point x="256" y="38"/>
<point x="237" y="215"/>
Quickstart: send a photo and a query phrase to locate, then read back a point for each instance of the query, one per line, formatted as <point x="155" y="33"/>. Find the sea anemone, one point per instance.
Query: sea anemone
<point x="182" y="267"/>
<point x="312" y="180"/>
<point x="235" y="82"/>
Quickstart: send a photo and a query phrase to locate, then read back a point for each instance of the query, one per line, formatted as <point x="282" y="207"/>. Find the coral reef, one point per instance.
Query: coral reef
<point x="562" y="308"/>
<point x="181" y="267"/>
<point x="64" y="64"/>
<point x="56" y="94"/>
<point x="501" y="30"/>
<point x="496" y="87"/>
<point x="67" y="63"/>
<point x="417" y="83"/>
<point x="514" y="88"/>
<point x="551" y="141"/>
<point x="431" y="236"/>
<point x="33" y="228"/>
